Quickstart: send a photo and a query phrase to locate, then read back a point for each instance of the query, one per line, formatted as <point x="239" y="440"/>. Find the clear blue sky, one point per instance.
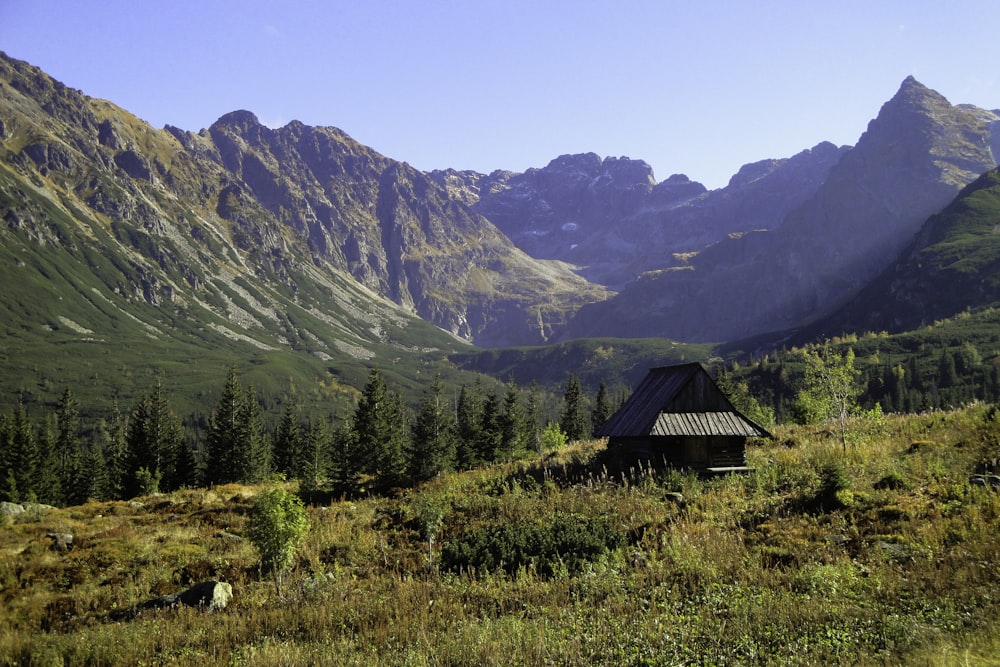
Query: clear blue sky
<point x="691" y="86"/>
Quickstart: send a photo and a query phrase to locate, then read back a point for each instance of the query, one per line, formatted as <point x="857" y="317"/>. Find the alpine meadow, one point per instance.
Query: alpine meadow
<point x="269" y="397"/>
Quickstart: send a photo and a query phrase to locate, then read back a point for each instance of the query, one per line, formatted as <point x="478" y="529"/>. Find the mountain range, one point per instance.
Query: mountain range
<point x="299" y="239"/>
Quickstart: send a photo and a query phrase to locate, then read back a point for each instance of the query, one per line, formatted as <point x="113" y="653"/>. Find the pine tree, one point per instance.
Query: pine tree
<point x="287" y="449"/>
<point x="224" y="432"/>
<point x="90" y="479"/>
<point x="253" y="448"/>
<point x="315" y="459"/>
<point x="432" y="449"/>
<point x="380" y="431"/>
<point x="574" y="420"/>
<point x="469" y="424"/>
<point x="183" y="470"/>
<point x="533" y="420"/>
<point x="45" y="483"/>
<point x="512" y="428"/>
<point x="151" y="441"/>
<point x="602" y="409"/>
<point x="236" y="449"/>
<point x="67" y="442"/>
<point x="116" y="455"/>
<point x="20" y="456"/>
<point x="488" y="444"/>
<point x="345" y="465"/>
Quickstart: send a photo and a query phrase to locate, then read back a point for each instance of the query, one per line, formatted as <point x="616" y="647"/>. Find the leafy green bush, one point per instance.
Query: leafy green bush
<point x="278" y="522"/>
<point x="567" y="541"/>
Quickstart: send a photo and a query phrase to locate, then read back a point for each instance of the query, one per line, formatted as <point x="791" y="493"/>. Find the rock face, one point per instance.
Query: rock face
<point x="913" y="159"/>
<point x="276" y="208"/>
<point x="302" y="238"/>
<point x="612" y="220"/>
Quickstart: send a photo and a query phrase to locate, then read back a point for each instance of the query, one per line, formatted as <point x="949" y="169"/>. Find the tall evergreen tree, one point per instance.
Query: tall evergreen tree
<point x="116" y="455"/>
<point x="46" y="486"/>
<point x="433" y="444"/>
<point x="236" y="449"/>
<point x="602" y="409"/>
<point x="345" y="464"/>
<point x="574" y="420"/>
<point x="315" y="459"/>
<point x="90" y="479"/>
<point x="533" y="420"/>
<point x="379" y="432"/>
<point x="512" y="423"/>
<point x="254" y="450"/>
<point x="67" y="443"/>
<point x="488" y="445"/>
<point x="19" y="456"/>
<point x="469" y="415"/>
<point x="287" y="450"/>
<point x="151" y="439"/>
<point x="224" y="433"/>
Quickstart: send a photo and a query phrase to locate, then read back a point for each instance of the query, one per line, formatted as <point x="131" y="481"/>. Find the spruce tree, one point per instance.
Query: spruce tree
<point x="345" y="466"/>
<point x="532" y="420"/>
<point x="19" y="456"/>
<point x="116" y="455"/>
<point x="46" y="486"/>
<point x="432" y="449"/>
<point x="469" y="415"/>
<point x="315" y="460"/>
<point x="253" y="447"/>
<point x="67" y="442"/>
<point x="287" y="450"/>
<point x="224" y="432"/>
<point x="488" y="444"/>
<point x="379" y="432"/>
<point x="574" y="420"/>
<point x="151" y="441"/>
<point x="602" y="409"/>
<point x="236" y="449"/>
<point x="512" y="423"/>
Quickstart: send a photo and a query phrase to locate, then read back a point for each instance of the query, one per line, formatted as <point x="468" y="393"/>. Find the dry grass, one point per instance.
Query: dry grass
<point x="756" y="569"/>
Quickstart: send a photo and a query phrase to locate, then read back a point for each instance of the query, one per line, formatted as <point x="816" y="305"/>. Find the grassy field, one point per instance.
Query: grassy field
<point x="885" y="554"/>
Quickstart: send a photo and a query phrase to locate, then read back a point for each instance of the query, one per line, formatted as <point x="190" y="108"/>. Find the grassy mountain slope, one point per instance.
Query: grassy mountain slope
<point x="952" y="265"/>
<point x="117" y="264"/>
<point x="885" y="554"/>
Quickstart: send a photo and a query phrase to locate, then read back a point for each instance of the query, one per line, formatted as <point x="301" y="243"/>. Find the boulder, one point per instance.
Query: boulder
<point x="212" y="595"/>
<point x="11" y="509"/>
<point x="61" y="541"/>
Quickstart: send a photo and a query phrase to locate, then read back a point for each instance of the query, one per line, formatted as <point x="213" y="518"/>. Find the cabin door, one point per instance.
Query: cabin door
<point x="696" y="452"/>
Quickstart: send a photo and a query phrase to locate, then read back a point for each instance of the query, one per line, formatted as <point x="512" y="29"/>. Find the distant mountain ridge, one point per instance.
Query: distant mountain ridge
<point x="914" y="158"/>
<point x="251" y="231"/>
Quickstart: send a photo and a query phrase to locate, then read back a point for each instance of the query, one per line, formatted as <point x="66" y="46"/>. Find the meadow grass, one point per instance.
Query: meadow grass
<point x="883" y="554"/>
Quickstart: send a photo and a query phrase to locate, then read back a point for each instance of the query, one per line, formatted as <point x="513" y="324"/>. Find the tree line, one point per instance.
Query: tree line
<point x="381" y="445"/>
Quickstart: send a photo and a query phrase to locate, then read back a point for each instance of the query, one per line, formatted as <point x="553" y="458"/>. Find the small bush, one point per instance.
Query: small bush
<point x="567" y="542"/>
<point x="893" y="481"/>
<point x="277" y="524"/>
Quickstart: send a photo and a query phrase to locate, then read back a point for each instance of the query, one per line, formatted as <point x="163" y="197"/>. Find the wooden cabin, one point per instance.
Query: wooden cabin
<point x="678" y="417"/>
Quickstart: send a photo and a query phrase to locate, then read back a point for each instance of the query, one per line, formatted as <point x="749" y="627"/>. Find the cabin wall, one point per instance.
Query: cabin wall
<point x="684" y="452"/>
<point x="699" y="395"/>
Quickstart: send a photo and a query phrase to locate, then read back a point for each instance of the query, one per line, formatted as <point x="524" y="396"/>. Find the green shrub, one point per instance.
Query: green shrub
<point x="567" y="542"/>
<point x="278" y="522"/>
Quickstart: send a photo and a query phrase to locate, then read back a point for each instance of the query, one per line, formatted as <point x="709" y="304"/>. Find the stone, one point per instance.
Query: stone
<point x="61" y="541"/>
<point x="11" y="509"/>
<point x="212" y="595"/>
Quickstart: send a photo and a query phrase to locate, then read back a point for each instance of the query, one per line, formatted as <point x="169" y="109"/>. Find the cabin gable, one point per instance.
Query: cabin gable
<point x="678" y="417"/>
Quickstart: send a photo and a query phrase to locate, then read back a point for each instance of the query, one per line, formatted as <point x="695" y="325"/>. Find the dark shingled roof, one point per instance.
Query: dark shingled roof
<point x="679" y="400"/>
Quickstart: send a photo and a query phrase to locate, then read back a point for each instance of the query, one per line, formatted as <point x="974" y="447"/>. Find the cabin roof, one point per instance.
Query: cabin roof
<point x="705" y="423"/>
<point x="679" y="400"/>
